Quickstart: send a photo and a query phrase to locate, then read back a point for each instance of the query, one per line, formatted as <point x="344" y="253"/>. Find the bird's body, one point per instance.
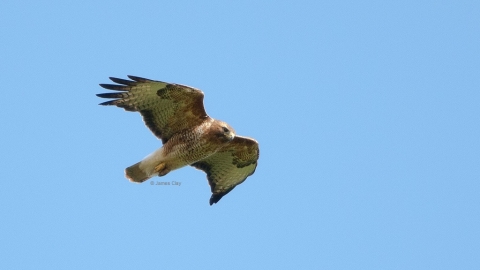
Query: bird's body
<point x="176" y="115"/>
<point x="182" y="149"/>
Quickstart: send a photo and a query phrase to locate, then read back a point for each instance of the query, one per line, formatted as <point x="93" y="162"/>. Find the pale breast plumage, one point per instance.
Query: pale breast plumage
<point x="175" y="114"/>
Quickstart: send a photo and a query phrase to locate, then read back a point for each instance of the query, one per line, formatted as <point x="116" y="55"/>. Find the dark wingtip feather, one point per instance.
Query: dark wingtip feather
<point x="122" y="81"/>
<point x="112" y="95"/>
<point x="107" y="103"/>
<point x="138" y="79"/>
<point x="114" y="87"/>
<point x="215" y="198"/>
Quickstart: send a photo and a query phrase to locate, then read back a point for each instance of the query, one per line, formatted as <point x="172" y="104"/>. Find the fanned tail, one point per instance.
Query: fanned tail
<point x="152" y="165"/>
<point x="135" y="174"/>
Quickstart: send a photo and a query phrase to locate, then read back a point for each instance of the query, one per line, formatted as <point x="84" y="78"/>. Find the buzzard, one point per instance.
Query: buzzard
<point x="175" y="114"/>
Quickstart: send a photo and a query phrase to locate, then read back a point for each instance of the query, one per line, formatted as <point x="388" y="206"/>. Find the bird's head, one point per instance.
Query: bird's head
<point x="224" y="131"/>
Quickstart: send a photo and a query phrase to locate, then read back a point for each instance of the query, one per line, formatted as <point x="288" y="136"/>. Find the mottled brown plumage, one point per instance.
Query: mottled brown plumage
<point x="175" y="114"/>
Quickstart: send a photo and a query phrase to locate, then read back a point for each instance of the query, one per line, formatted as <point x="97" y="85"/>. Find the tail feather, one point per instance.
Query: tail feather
<point x="135" y="174"/>
<point x="146" y="169"/>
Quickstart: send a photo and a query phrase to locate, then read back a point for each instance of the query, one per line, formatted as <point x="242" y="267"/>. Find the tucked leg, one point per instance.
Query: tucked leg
<point x="161" y="169"/>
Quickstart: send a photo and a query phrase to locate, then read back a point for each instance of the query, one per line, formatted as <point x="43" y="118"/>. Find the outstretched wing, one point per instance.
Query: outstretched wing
<point x="166" y="108"/>
<point x="230" y="166"/>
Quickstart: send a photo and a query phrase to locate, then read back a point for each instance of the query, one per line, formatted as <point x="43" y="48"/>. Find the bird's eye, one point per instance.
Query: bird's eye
<point x="225" y="129"/>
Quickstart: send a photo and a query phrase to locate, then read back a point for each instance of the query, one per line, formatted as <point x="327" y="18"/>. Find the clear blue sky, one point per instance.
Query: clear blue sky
<point x="367" y="114"/>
